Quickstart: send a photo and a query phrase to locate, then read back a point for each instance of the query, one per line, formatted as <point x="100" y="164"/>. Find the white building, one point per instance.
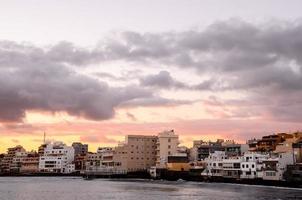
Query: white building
<point x="167" y="145"/>
<point x="231" y="167"/>
<point x="274" y="168"/>
<point x="214" y="165"/>
<point x="57" y="158"/>
<point x="252" y="165"/>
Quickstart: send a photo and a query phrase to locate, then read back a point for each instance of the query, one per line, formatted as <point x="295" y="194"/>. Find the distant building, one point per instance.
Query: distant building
<point x="137" y="153"/>
<point x="7" y="161"/>
<point x="79" y="148"/>
<point x="268" y="143"/>
<point x="57" y="158"/>
<point x="201" y="150"/>
<point x="106" y="156"/>
<point x="30" y="163"/>
<point x="233" y="149"/>
<point x="167" y="145"/>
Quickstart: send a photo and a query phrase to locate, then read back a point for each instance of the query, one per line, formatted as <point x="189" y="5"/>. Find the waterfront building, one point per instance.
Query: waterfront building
<point x="167" y="145"/>
<point x="178" y="162"/>
<point x="30" y="163"/>
<point x="297" y="149"/>
<point x="80" y="162"/>
<point x="17" y="161"/>
<point x="294" y="173"/>
<point x="214" y="164"/>
<point x="252" y="165"/>
<point x="137" y="153"/>
<point x="92" y="161"/>
<point x="106" y="156"/>
<point x="57" y="158"/>
<point x="274" y="167"/>
<point x="231" y="167"/>
<point x="7" y="160"/>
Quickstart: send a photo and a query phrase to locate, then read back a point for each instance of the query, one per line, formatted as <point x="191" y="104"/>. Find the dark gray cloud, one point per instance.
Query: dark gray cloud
<point x="32" y="81"/>
<point x="161" y="80"/>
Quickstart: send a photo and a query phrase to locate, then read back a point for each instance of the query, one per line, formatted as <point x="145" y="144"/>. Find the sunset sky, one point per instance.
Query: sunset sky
<point x="96" y="70"/>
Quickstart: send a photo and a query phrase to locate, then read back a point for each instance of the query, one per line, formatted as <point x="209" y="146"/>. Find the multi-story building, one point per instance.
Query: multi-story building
<point x="17" y="161"/>
<point x="79" y="148"/>
<point x="30" y="163"/>
<point x="268" y="143"/>
<point x="137" y="153"/>
<point x="57" y="158"/>
<point x="201" y="150"/>
<point x="297" y="150"/>
<point x="234" y="149"/>
<point x="274" y="167"/>
<point x="106" y="155"/>
<point x="1" y="158"/>
<point x="214" y="164"/>
<point x="252" y="165"/>
<point x="7" y="161"/>
<point x="231" y="167"/>
<point x="167" y="145"/>
<point x="92" y="161"/>
<point x="41" y="149"/>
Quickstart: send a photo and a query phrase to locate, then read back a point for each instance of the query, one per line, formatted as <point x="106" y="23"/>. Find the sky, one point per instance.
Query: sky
<point x="95" y="71"/>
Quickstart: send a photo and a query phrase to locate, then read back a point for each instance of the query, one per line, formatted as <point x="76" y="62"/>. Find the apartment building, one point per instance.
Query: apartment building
<point x="201" y="149"/>
<point x="7" y="161"/>
<point x="214" y="164"/>
<point x="252" y="165"/>
<point x="167" y="145"/>
<point x="79" y="148"/>
<point x="106" y="156"/>
<point x="30" y="163"/>
<point x="274" y="167"/>
<point x="57" y="158"/>
<point x="137" y="153"/>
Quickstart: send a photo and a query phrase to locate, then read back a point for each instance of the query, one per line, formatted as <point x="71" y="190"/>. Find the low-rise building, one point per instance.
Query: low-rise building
<point x="178" y="162"/>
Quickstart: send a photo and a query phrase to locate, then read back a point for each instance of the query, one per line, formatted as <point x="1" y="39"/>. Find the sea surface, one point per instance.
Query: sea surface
<point x="69" y="188"/>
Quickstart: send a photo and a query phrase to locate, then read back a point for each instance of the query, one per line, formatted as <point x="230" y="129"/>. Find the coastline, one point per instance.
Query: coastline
<point x="143" y="176"/>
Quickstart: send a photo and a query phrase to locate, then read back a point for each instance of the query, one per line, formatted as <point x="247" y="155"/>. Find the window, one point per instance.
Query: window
<point x="169" y="146"/>
<point x="253" y="166"/>
<point x="169" y="140"/>
<point x="242" y="166"/>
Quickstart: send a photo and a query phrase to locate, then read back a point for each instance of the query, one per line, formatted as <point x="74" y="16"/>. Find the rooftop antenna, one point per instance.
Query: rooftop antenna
<point x="44" y="138"/>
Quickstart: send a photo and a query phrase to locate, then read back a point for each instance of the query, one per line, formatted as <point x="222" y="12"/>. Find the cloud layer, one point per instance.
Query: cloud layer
<point x="260" y="61"/>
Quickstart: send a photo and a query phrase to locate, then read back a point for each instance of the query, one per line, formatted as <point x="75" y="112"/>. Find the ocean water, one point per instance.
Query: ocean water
<point x="69" y="188"/>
